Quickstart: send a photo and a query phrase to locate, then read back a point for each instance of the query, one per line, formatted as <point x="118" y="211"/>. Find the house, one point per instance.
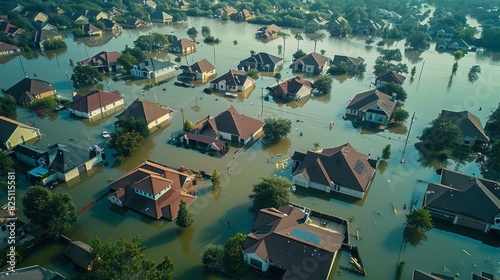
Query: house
<point x="372" y="106"/>
<point x="227" y="10"/>
<point x="262" y="61"/>
<point x="30" y="155"/>
<point x="68" y="160"/>
<point x="182" y="5"/>
<point x="115" y="11"/>
<point x="96" y="15"/>
<point x="38" y="19"/>
<point x="351" y="62"/>
<point x="219" y="147"/>
<point x="150" y="4"/>
<point x="390" y="15"/>
<point x="51" y="27"/>
<point x="41" y="35"/>
<point x="285" y="239"/>
<point x="183" y="46"/>
<point x="34" y="272"/>
<point x="111" y="25"/>
<point x="407" y="23"/>
<point x="268" y="32"/>
<point x="77" y="18"/>
<point x="152" y="68"/>
<point x="80" y="253"/>
<point x="389" y="77"/>
<point x="11" y="30"/>
<point x="11" y="228"/>
<point x="95" y="103"/>
<point x="154" y="114"/>
<point x="201" y="70"/>
<point x="231" y="126"/>
<point x="8" y="49"/>
<point x="452" y="45"/>
<point x="366" y="27"/>
<point x="341" y="169"/>
<point x="233" y="80"/>
<point x="464" y="200"/>
<point x="161" y="17"/>
<point x="336" y="27"/>
<point x="294" y="88"/>
<point x="441" y="31"/>
<point x="313" y="63"/>
<point x="473" y="134"/>
<point x="29" y="90"/>
<point x="90" y="30"/>
<point x="153" y="189"/>
<point x="132" y="23"/>
<point x="420" y="275"/>
<point x="243" y="15"/>
<point x="103" y="61"/>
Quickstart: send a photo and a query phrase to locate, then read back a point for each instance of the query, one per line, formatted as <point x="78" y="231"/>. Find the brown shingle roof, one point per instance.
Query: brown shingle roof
<point x="290" y="86"/>
<point x="469" y="124"/>
<point x="202" y="66"/>
<point x="103" y="58"/>
<point x="94" y="100"/>
<point x="391" y="77"/>
<point x="30" y="87"/>
<point x="89" y="28"/>
<point x="233" y="78"/>
<point x="182" y="43"/>
<point x="365" y="100"/>
<point x="144" y="109"/>
<point x="313" y="58"/>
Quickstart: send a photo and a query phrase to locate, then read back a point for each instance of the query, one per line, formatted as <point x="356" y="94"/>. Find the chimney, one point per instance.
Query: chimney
<point x="393" y="97"/>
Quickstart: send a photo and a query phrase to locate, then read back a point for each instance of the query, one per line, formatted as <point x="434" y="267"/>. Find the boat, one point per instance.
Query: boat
<point x="59" y="107"/>
<point x="105" y="134"/>
<point x="231" y="94"/>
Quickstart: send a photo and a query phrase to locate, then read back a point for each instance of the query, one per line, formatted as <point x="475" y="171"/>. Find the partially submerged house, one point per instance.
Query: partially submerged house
<point x="243" y="15"/>
<point x="29" y="90"/>
<point x="441" y="31"/>
<point x="42" y="35"/>
<point x="268" y="32"/>
<point x="103" y="61"/>
<point x="152" y="68"/>
<point x="313" y="63"/>
<point x="29" y="155"/>
<point x="233" y="81"/>
<point x="389" y="77"/>
<point x="34" y="272"/>
<point x="161" y="17"/>
<point x="366" y="27"/>
<point x="464" y="200"/>
<point x="95" y="103"/>
<point x="285" y="239"/>
<point x="153" y="189"/>
<point x="133" y="23"/>
<point x="351" y="62"/>
<point x="15" y="133"/>
<point x="183" y="46"/>
<point x="90" y="30"/>
<point x="452" y="45"/>
<point x="153" y="113"/>
<point x="227" y="10"/>
<point x="473" y="134"/>
<point x="372" y="106"/>
<point x="294" y="88"/>
<point x="8" y="49"/>
<point x="261" y="61"/>
<point x="201" y="70"/>
<point x="341" y="169"/>
<point x="80" y="253"/>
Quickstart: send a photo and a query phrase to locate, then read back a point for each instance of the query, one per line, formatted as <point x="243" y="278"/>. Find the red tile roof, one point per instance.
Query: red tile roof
<point x="94" y="100"/>
<point x="202" y="66"/>
<point x="313" y="58"/>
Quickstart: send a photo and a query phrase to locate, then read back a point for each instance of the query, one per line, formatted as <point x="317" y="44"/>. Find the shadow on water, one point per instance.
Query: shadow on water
<point x="342" y="78"/>
<point x="393" y="237"/>
<point x="491" y="238"/>
<point x="185" y="237"/>
<point x="309" y="192"/>
<point x="398" y="128"/>
<point x="430" y="158"/>
<point x="382" y="166"/>
<point x="163" y="237"/>
<point x="282" y="147"/>
<point x="413" y="56"/>
<point x="292" y="104"/>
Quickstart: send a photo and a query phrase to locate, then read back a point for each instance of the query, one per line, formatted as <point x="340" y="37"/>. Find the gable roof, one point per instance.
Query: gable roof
<point x="182" y="43"/>
<point x="144" y="109"/>
<point x="4" y="47"/>
<point x="94" y="100"/>
<point x="420" y="275"/>
<point x="290" y="86"/>
<point x="442" y="27"/>
<point x="366" y="100"/>
<point x="262" y="58"/>
<point x="469" y="124"/>
<point x="313" y="58"/>
<point x="28" y="151"/>
<point x="348" y="59"/>
<point x="29" y="88"/>
<point x="202" y="66"/>
<point x="43" y="34"/>
<point x="160" y="15"/>
<point x="102" y="59"/>
<point x="65" y="156"/>
<point x="230" y="121"/>
<point x="233" y="78"/>
<point x="391" y="77"/>
<point x="342" y="165"/>
<point x="153" y="64"/>
<point x="464" y="195"/>
<point x="283" y="237"/>
<point x="89" y="28"/>
<point x="153" y="177"/>
<point x="79" y="252"/>
<point x="8" y="126"/>
<point x="10" y="29"/>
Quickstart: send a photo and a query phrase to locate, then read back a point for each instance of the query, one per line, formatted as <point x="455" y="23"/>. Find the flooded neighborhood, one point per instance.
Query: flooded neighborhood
<point x="313" y="163"/>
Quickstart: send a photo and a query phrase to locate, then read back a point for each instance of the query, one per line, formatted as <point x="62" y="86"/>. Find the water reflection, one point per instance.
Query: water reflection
<point x="382" y="166"/>
<point x="185" y="237"/>
<point x="413" y="56"/>
<point x="398" y="128"/>
<point x="414" y="237"/>
<point x="342" y="78"/>
<point x="292" y="104"/>
<point x="282" y="147"/>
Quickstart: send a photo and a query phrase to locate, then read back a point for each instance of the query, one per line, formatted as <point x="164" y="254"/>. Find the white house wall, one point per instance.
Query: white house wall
<point x="249" y="256"/>
<point x="159" y="121"/>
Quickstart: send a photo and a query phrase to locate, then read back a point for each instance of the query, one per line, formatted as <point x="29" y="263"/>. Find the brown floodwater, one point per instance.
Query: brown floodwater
<point x="394" y="184"/>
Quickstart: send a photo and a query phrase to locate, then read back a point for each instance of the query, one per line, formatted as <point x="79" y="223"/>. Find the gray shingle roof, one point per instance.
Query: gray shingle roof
<point x="469" y="124"/>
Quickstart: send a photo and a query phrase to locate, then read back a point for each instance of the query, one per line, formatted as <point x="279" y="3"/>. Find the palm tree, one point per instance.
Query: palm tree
<point x="317" y="37"/>
<point x="285" y="36"/>
<point x="298" y="37"/>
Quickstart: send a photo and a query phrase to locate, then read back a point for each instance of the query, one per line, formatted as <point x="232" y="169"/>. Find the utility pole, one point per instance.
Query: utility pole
<point x="182" y="114"/>
<point x="421" y="70"/>
<point x="69" y="83"/>
<point x="408" y="135"/>
<point x="57" y="58"/>
<point x="262" y="106"/>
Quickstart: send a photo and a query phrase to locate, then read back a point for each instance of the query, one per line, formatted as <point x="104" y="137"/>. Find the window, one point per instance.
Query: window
<point x="467" y="141"/>
<point x="256" y="263"/>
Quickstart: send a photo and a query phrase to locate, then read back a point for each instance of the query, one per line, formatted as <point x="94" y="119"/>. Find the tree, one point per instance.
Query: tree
<point x="284" y="36"/>
<point x="417" y="40"/>
<point x="130" y="124"/>
<point x="391" y="88"/>
<point x="340" y="69"/>
<point x="419" y="220"/>
<point x="276" y="128"/>
<point x="127" y="61"/>
<point x="386" y="152"/>
<point x="467" y="34"/>
<point x="318" y="37"/>
<point x="474" y="70"/>
<point x="211" y="40"/>
<point x="125" y="260"/>
<point x="270" y="192"/>
<point x="8" y="106"/>
<point x="454" y="68"/>
<point x="413" y="71"/>
<point x="399" y="115"/>
<point x="233" y="254"/>
<point x="6" y="164"/>
<point x="253" y="73"/>
<point x="216" y="179"/>
<point x="184" y="217"/>
<point x="494" y="124"/>
<point x="192" y="32"/>
<point x="298" y="37"/>
<point x="360" y="69"/>
<point x="205" y="30"/>
<point x="442" y="133"/>
<point x="188" y="126"/>
<point x="458" y="55"/>
<point x="53" y="44"/>
<point x="489" y="38"/>
<point x="385" y="62"/>
<point x="277" y="76"/>
<point x="55" y="213"/>
<point x="491" y="167"/>
<point x="212" y="257"/>
<point x="85" y="76"/>
<point x="323" y="84"/>
<point x="298" y="54"/>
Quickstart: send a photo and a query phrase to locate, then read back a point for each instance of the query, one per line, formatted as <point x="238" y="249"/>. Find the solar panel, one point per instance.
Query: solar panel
<point x="306" y="235"/>
<point x="359" y="166"/>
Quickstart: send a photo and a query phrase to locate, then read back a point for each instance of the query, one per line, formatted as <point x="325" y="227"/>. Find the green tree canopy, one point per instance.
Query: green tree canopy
<point x="205" y="30"/>
<point x="323" y="84"/>
<point x="188" y="126"/>
<point x="216" y="179"/>
<point x="8" y="106"/>
<point x="192" y="32"/>
<point x="442" y="133"/>
<point x="253" y="73"/>
<point x="85" y="76"/>
<point x="127" y="61"/>
<point x="298" y="54"/>
<point x="129" y="124"/>
<point x="125" y="144"/>
<point x="386" y="152"/>
<point x="233" y="254"/>
<point x="125" y="260"/>
<point x="417" y="40"/>
<point x="6" y="163"/>
<point x="473" y="73"/>
<point x="55" y="213"/>
<point x="270" y="192"/>
<point x="391" y="88"/>
<point x="212" y="257"/>
<point x="399" y="115"/>
<point x="493" y="126"/>
<point x="418" y="222"/>
<point x="184" y="217"/>
<point x="276" y="128"/>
